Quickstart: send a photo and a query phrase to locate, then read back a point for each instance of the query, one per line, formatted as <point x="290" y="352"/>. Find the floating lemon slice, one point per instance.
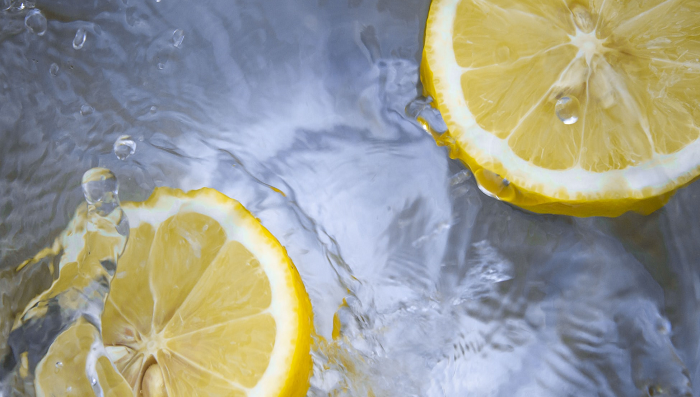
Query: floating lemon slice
<point x="573" y="107"/>
<point x="204" y="302"/>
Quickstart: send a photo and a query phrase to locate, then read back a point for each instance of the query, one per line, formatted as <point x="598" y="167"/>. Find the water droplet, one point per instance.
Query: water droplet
<point x="86" y="110"/>
<point x="567" y="109"/>
<point x="583" y="19"/>
<point x="79" y="39"/>
<point x="486" y="191"/>
<point x="36" y="22"/>
<point x="415" y="107"/>
<point x="178" y="37"/>
<point x="93" y="381"/>
<point x="124" y="147"/>
<point x="158" y="1"/>
<point x="421" y="110"/>
<point x="59" y="366"/>
<point x="153" y="109"/>
<point x="53" y="69"/>
<point x="160" y="66"/>
<point x="69" y="389"/>
<point x="100" y="188"/>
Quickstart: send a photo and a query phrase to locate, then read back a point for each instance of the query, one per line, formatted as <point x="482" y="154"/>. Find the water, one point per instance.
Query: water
<point x="124" y="147"/>
<point x="449" y="292"/>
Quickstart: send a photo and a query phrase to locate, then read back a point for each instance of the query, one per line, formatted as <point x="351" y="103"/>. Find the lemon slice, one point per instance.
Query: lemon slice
<point x="572" y="107"/>
<point x="204" y="302"/>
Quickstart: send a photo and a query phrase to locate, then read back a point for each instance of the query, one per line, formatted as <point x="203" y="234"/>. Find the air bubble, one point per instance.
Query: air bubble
<point x="79" y="39"/>
<point x="53" y="69"/>
<point x="124" y="147"/>
<point x="36" y="22"/>
<point x="160" y="66"/>
<point x="59" y="366"/>
<point x="178" y="37"/>
<point x="86" y="110"/>
<point x="567" y="109"/>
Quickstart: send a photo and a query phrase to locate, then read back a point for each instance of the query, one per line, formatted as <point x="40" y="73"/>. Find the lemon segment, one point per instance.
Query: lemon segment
<point x="579" y="107"/>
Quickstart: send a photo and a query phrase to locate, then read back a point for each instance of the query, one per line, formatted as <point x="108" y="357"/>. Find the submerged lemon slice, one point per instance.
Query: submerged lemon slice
<point x="76" y="365"/>
<point x="569" y="106"/>
<point x="204" y="302"/>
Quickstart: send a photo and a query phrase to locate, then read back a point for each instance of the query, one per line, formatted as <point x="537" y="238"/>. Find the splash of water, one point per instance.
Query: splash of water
<point x="89" y="266"/>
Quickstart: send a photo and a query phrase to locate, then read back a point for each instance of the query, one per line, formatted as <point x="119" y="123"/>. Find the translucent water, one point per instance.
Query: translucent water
<point x="448" y="292"/>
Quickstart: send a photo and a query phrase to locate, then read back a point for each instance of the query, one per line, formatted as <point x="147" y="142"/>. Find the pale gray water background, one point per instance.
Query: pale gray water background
<point x="449" y="292"/>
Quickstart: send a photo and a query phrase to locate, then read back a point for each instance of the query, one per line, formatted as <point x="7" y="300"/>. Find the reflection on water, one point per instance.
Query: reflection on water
<point x="447" y="292"/>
